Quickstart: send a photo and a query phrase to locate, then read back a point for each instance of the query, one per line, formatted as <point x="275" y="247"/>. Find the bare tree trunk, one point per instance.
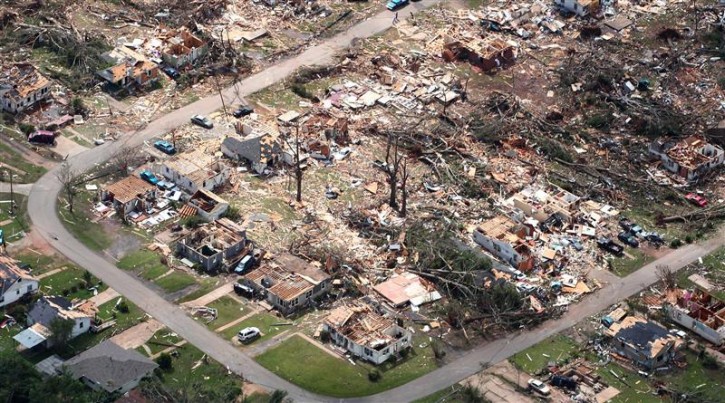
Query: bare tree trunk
<point x="298" y="167"/>
<point x="392" y="169"/>
<point x="68" y="179"/>
<point x="404" y="189"/>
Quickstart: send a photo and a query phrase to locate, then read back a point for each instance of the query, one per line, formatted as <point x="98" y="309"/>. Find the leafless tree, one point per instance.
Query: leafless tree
<point x="69" y="179"/>
<point x="404" y="188"/>
<point x="293" y="145"/>
<point x="667" y="276"/>
<point x="392" y="166"/>
<point x="124" y="158"/>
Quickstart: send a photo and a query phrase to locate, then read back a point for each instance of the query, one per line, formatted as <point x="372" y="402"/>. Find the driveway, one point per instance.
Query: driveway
<point x="42" y="211"/>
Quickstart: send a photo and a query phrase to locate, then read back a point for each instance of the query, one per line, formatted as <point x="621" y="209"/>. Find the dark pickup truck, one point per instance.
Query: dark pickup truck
<point x="610" y="246"/>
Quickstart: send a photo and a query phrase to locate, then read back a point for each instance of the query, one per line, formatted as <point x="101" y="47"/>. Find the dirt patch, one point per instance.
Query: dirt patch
<point x="123" y="242"/>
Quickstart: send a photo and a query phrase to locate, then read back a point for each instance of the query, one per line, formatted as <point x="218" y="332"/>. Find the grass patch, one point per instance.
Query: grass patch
<point x="228" y="309"/>
<point x="263" y="321"/>
<point x="175" y="281"/>
<point x="624" y="266"/>
<point x="165" y="336"/>
<point x="697" y="382"/>
<point x="714" y="264"/>
<point x="632" y="387"/>
<point x="30" y="173"/>
<point x="80" y="225"/>
<point x="145" y="263"/>
<point x="304" y="364"/>
<point x="59" y="283"/>
<point x="447" y="395"/>
<point x="206" y="285"/>
<point x="14" y="227"/>
<point x="557" y="348"/>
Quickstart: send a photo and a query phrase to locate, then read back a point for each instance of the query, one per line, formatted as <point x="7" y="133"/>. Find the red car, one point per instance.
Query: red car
<point x="696" y="199"/>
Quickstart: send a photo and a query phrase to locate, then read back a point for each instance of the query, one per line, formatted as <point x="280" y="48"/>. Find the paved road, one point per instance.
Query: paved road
<point x="42" y="211"/>
<point x="20" y="188"/>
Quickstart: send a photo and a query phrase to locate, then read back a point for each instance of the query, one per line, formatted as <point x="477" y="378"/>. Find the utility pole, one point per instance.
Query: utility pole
<point x="12" y="195"/>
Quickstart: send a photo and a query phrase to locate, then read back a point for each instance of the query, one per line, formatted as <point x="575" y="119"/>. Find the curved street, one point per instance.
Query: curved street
<point x="42" y="207"/>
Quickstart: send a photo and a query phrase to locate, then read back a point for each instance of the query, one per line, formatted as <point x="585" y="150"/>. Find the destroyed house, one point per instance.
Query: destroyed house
<point x="701" y="313"/>
<point x="195" y="170"/>
<point x="15" y="283"/>
<point x="21" y="86"/>
<point x="215" y="246"/>
<point x="181" y="47"/>
<point x="258" y="145"/>
<point x="646" y="343"/>
<point x="129" y="194"/>
<point x="289" y="282"/>
<point x="505" y="239"/>
<point x="205" y="204"/>
<point x="110" y="367"/>
<point x="484" y="54"/>
<point x="366" y="334"/>
<point x="542" y="203"/>
<point x="131" y="72"/>
<point x="690" y="158"/>
<point x="581" y="8"/>
<point x="47" y="310"/>
<point x="407" y="288"/>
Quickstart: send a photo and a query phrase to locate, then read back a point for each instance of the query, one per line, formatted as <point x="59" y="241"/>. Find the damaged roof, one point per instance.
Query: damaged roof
<point x="129" y="188"/>
<point x="22" y="79"/>
<point x="360" y="323"/>
<point x="407" y="287"/>
<point x="10" y="273"/>
<point x="290" y="276"/>
<point x="646" y="336"/>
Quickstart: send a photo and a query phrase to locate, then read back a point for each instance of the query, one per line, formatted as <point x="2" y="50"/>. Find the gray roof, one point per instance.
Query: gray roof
<point x="44" y="312"/>
<point x="236" y="148"/>
<point x="110" y="366"/>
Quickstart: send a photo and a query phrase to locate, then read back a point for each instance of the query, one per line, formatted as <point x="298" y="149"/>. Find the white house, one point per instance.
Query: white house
<point x="689" y="158"/>
<point x="21" y="86"/>
<point x="15" y="282"/>
<point x="47" y="310"/>
<point x="195" y="170"/>
<point x="504" y="239"/>
<point x="365" y="333"/>
<point x="581" y="8"/>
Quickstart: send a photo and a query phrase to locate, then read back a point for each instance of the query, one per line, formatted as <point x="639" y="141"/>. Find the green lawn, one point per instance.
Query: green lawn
<point x="175" y="281"/>
<point x="78" y="223"/>
<point x="203" y="378"/>
<point x="228" y="309"/>
<point x="40" y="263"/>
<point x="59" y="283"/>
<point x="304" y="364"/>
<point x="165" y="336"/>
<point x="262" y="321"/>
<point x="450" y="394"/>
<point x="10" y="157"/>
<point x="632" y="387"/>
<point x="145" y="263"/>
<point x="624" y="266"/>
<point x="206" y="285"/>
<point x="16" y="225"/>
<point x="557" y="348"/>
<point x="705" y="385"/>
<point x="715" y="264"/>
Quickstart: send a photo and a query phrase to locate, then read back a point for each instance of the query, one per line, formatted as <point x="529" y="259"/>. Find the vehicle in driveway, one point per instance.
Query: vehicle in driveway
<point x="628" y="238"/>
<point x="243" y="290"/>
<point x="242" y="110"/>
<point x="165" y="147"/>
<point x="171" y="72"/>
<point x="202" y="121"/>
<point x="149" y="177"/>
<point x="610" y="246"/>
<point x="539" y="386"/>
<point x="248" y="334"/>
<point x="395" y="4"/>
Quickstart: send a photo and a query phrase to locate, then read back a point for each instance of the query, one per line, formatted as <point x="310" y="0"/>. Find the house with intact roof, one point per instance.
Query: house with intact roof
<point x="15" y="283"/>
<point x="289" y="282"/>
<point x="365" y="333"/>
<point x="110" y="368"/>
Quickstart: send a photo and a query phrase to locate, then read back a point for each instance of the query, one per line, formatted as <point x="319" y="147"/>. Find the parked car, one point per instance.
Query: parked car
<point x="610" y="246"/>
<point x="202" y="121"/>
<point x="243" y="290"/>
<point x="539" y="386"/>
<point x="563" y="382"/>
<point x="576" y="244"/>
<point x="165" y="146"/>
<point x="628" y="238"/>
<point x="678" y="332"/>
<point x="248" y="334"/>
<point x="696" y="199"/>
<point x="395" y="4"/>
<point x="245" y="264"/>
<point x="654" y="238"/>
<point x="242" y="110"/>
<point x="171" y="72"/>
<point x="149" y="177"/>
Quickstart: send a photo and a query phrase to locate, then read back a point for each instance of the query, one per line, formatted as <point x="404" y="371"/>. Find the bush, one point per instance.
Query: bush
<point x="404" y="353"/>
<point x="325" y="336"/>
<point x="676" y="243"/>
<point x="192" y="222"/>
<point x="79" y="107"/>
<point x="710" y="362"/>
<point x="303" y="92"/>
<point x="600" y="121"/>
<point x="18" y="312"/>
<point x="164" y="361"/>
<point x="689" y="239"/>
<point x="74" y="289"/>
<point x="374" y="375"/>
<point x="26" y="128"/>
<point x="438" y="350"/>
<point x="65" y="292"/>
<point x="122" y="307"/>
<point x="233" y="213"/>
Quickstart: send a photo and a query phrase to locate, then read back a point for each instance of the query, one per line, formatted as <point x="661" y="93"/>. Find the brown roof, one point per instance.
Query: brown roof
<point x="129" y="188"/>
<point x="24" y="78"/>
<point x="10" y="272"/>
<point x="361" y="324"/>
<point x="290" y="276"/>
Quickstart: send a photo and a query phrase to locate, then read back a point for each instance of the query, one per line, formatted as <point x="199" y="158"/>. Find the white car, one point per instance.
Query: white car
<point x="248" y="334"/>
<point x="539" y="386"/>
